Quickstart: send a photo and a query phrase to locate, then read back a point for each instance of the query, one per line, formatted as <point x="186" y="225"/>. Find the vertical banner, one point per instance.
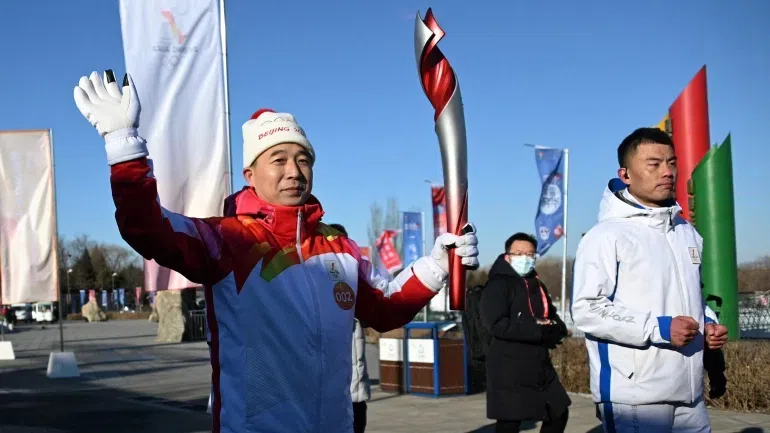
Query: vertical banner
<point x="387" y="251"/>
<point x="550" y="212"/>
<point x="173" y="51"/>
<point x="82" y="297"/>
<point x="438" y="198"/>
<point x="105" y="301"/>
<point x="412" y="230"/>
<point x="28" y="251"/>
<point x="121" y="297"/>
<point x="138" y="297"/>
<point x="92" y="295"/>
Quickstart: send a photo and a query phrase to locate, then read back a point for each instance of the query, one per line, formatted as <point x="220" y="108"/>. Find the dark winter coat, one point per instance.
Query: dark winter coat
<point x="477" y="338"/>
<point x="522" y="383"/>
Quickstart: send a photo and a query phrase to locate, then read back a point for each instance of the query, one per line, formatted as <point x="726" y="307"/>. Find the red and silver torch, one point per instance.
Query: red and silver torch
<point x="439" y="82"/>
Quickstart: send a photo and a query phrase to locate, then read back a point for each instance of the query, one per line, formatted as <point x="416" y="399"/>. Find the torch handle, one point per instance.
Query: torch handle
<point x="457" y="274"/>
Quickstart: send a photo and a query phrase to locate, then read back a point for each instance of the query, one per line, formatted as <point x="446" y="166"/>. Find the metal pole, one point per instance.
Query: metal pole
<point x="566" y="236"/>
<point x="424" y="252"/>
<point x="223" y="39"/>
<point x="56" y="241"/>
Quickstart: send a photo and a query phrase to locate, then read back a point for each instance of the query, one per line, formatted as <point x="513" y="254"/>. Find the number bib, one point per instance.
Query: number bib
<point x="344" y="295"/>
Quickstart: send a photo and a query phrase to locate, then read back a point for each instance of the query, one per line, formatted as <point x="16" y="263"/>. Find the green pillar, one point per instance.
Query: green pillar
<point x="715" y="221"/>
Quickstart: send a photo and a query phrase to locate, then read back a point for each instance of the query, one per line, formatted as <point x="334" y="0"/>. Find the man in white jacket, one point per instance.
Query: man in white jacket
<point x="637" y="296"/>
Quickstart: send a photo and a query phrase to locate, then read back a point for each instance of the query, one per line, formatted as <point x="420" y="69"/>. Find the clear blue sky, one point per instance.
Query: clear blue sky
<point x="568" y="74"/>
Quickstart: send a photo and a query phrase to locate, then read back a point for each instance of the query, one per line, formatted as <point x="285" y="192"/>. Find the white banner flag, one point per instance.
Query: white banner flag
<point x="28" y="252"/>
<point x="173" y="51"/>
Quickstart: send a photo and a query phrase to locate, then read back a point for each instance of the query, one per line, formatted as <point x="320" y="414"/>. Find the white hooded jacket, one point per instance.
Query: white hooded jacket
<point x="635" y="271"/>
<point x="359" y="385"/>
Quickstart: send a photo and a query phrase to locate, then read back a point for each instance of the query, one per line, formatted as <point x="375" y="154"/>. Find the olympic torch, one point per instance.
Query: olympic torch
<point x="439" y="82"/>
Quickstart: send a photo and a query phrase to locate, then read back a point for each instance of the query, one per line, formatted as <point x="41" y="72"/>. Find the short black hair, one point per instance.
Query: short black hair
<point x="520" y="237"/>
<point x="641" y="136"/>
<point x="339" y="228"/>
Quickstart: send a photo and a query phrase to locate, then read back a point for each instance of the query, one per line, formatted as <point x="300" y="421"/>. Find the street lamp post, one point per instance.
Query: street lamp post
<point x="114" y="274"/>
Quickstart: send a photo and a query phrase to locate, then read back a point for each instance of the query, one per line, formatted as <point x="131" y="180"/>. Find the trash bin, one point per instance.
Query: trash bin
<point x="435" y="366"/>
<point x="392" y="365"/>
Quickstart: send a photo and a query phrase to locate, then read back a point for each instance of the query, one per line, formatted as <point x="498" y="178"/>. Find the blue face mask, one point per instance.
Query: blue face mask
<point x="523" y="265"/>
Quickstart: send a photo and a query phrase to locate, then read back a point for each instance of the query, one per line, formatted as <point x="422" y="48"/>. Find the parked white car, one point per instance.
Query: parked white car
<point x="43" y="312"/>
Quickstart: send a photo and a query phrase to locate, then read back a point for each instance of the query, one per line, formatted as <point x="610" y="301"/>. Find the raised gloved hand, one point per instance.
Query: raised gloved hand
<point x="464" y="246"/>
<point x="113" y="113"/>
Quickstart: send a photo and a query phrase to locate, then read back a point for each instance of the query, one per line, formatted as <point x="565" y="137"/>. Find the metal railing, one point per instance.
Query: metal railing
<point x="196" y="325"/>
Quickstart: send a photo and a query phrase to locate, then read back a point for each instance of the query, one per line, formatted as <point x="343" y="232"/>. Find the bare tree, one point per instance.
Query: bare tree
<point x="754" y="276"/>
<point x="376" y="226"/>
<point x="549" y="269"/>
<point x="116" y="257"/>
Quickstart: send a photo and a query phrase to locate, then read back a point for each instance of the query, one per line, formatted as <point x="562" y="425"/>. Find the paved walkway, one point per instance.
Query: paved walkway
<point x="129" y="383"/>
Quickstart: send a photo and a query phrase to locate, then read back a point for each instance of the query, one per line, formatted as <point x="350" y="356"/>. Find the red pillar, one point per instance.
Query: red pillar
<point x="689" y="116"/>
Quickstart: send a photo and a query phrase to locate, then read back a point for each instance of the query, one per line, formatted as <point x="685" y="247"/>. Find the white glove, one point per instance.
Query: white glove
<point x="113" y="113"/>
<point x="465" y="247"/>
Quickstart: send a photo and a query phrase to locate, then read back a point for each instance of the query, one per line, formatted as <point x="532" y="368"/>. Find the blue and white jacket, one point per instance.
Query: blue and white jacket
<point x="634" y="271"/>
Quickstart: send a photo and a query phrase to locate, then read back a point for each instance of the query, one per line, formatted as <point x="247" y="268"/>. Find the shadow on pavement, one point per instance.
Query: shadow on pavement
<point x="490" y="428"/>
<point x="26" y="407"/>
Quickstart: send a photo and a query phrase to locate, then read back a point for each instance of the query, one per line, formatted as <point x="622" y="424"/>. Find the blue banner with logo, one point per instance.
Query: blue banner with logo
<point x="549" y="221"/>
<point x="82" y="297"/>
<point x="122" y="297"/>
<point x="412" y="237"/>
<point x="105" y="301"/>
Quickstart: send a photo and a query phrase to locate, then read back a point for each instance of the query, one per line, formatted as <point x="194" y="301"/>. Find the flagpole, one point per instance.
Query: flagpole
<point x="223" y="38"/>
<point x="56" y="239"/>
<point x="566" y="236"/>
<point x="424" y="252"/>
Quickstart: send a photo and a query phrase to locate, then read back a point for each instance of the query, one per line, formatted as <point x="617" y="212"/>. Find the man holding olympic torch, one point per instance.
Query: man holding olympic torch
<point x="282" y="288"/>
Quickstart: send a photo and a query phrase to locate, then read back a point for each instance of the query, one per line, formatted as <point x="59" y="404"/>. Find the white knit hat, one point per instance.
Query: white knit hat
<point x="265" y="129"/>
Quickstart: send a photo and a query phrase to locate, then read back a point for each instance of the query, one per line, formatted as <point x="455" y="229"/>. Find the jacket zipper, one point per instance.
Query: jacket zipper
<point x="298" y="246"/>
<point x="684" y="302"/>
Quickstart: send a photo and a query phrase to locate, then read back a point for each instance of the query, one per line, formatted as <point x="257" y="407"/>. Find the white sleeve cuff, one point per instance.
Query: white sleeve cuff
<point x="124" y="145"/>
<point x="429" y="273"/>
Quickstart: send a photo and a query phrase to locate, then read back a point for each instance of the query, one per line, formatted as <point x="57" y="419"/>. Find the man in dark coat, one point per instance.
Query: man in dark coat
<point x="522" y="383"/>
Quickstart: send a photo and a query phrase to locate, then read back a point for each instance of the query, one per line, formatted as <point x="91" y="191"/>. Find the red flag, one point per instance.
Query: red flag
<point x="387" y="252"/>
<point x="438" y="198"/>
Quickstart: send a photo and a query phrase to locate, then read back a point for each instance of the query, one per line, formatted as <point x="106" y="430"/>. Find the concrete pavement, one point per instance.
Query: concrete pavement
<point x="129" y="383"/>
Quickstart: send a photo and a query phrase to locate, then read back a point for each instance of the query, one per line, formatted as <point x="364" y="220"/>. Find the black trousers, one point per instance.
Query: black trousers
<point x="359" y="417"/>
<point x="552" y="424"/>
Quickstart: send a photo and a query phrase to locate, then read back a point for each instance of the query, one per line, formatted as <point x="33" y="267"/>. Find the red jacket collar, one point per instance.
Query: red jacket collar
<point x="280" y="220"/>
